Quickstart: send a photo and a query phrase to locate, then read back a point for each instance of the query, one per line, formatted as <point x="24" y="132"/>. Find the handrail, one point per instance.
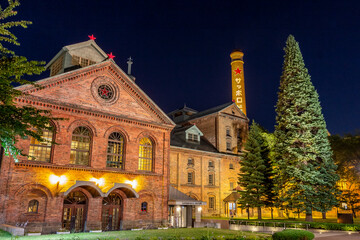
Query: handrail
<point x="284" y="225"/>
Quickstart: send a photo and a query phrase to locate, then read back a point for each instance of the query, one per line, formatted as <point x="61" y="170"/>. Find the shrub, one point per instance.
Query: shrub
<point x="291" y="234"/>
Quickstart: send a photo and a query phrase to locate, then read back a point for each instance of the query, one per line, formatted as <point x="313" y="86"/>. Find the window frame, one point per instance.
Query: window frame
<point x="120" y="155"/>
<point x="39" y="147"/>
<point x="190" y="162"/>
<point x="211" y="179"/>
<point x="142" y="147"/>
<point x="35" y="203"/>
<point x="212" y="202"/>
<point x="90" y="137"/>
<point x="144" y="207"/>
<point x="191" y="177"/>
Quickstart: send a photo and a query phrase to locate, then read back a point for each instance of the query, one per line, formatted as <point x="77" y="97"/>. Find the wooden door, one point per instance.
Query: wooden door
<point x="75" y="205"/>
<point x="112" y="212"/>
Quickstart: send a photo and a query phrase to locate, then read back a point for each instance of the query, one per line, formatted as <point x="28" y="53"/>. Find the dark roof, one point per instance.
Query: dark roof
<point x="178" y="139"/>
<point x="184" y="109"/>
<point x="233" y="197"/>
<point x="209" y="111"/>
<point x="175" y="194"/>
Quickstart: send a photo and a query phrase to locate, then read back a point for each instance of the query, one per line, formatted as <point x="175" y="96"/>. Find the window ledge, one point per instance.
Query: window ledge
<point x="211" y="186"/>
<point x="190" y="185"/>
<point x="81" y="168"/>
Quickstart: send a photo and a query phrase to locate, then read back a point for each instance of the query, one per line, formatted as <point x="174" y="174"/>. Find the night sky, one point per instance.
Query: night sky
<point x="181" y="48"/>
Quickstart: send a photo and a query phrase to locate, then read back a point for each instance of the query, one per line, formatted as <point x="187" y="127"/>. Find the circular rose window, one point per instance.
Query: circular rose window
<point x="105" y="92"/>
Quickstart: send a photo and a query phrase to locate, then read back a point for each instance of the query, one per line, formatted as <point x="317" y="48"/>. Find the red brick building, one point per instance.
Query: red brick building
<point x="109" y="166"/>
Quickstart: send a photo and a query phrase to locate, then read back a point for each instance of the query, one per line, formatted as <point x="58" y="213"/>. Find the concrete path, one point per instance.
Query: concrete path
<point x="337" y="236"/>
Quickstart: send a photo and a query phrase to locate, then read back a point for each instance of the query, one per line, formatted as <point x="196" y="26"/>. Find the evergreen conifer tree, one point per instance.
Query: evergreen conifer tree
<point x="305" y="171"/>
<point x="252" y="176"/>
<point x="16" y="121"/>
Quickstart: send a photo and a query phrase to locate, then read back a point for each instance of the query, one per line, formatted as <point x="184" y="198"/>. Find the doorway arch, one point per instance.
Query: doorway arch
<point x="74" y="211"/>
<point x="112" y="210"/>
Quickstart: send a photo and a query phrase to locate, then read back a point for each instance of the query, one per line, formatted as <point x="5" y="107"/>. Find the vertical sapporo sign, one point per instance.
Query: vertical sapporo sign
<point x="237" y="76"/>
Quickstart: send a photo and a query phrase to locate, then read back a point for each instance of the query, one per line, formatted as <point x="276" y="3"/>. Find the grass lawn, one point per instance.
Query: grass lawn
<point x="176" y="232"/>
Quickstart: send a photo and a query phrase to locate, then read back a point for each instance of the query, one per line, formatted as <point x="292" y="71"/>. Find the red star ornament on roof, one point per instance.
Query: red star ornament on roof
<point x="92" y="37"/>
<point x="110" y="55"/>
<point x="237" y="71"/>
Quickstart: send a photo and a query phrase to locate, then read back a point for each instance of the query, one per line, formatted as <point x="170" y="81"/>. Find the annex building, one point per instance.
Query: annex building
<point x="115" y="160"/>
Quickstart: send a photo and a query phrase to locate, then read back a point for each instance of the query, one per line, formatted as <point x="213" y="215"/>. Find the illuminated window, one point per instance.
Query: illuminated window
<point x="33" y="206"/>
<point x="212" y="203"/>
<point x="144" y="206"/>
<point x="145" y="154"/>
<point x="211" y="179"/>
<point x="115" y="151"/>
<point x="41" y="151"/>
<point x="80" y="146"/>
<point x="191" y="178"/>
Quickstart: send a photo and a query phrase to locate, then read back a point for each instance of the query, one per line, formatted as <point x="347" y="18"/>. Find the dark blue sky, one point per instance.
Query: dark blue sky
<point x="181" y="48"/>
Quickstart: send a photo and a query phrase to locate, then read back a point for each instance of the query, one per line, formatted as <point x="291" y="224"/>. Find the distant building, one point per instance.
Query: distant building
<point x="205" y="153"/>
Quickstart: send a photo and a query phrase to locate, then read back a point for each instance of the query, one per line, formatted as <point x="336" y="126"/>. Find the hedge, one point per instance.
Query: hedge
<point x="291" y="234"/>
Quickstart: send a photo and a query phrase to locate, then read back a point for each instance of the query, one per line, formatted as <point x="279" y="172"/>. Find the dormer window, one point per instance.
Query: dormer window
<point x="192" y="137"/>
<point x="83" y="62"/>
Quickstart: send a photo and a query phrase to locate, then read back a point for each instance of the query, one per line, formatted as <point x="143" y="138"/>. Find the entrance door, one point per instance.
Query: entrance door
<point x="111" y="212"/>
<point x="75" y="205"/>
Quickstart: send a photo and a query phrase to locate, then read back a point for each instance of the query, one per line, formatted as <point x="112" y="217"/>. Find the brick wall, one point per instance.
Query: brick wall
<point x="74" y="102"/>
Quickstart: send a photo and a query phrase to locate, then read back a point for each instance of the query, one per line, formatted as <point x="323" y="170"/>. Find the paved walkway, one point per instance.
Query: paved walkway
<point x="337" y="236"/>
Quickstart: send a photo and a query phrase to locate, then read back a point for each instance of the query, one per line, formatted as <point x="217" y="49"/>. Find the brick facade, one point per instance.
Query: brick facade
<point x="222" y="125"/>
<point x="72" y="96"/>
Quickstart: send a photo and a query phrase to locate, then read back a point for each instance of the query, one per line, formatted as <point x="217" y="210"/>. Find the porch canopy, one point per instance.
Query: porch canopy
<point x="233" y="197"/>
<point x="178" y="198"/>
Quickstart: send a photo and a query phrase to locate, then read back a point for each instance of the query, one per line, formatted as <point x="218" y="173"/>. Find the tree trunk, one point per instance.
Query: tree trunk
<point x="259" y="213"/>
<point x="309" y="217"/>
<point x="354" y="214"/>
<point x="272" y="213"/>
<point x="323" y="215"/>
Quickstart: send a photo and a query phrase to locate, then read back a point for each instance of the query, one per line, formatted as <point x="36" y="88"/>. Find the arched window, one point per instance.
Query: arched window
<point x="41" y="151"/>
<point x="144" y="206"/>
<point x="145" y="154"/>
<point x="115" y="151"/>
<point x="211" y="202"/>
<point x="33" y="206"/>
<point x="80" y="146"/>
<point x="191" y="178"/>
<point x="211" y="179"/>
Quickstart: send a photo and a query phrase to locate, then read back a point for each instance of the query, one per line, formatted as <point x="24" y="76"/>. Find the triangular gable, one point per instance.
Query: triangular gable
<point x="78" y="89"/>
<point x="88" y="49"/>
<point x="234" y="110"/>
<point x="194" y="130"/>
